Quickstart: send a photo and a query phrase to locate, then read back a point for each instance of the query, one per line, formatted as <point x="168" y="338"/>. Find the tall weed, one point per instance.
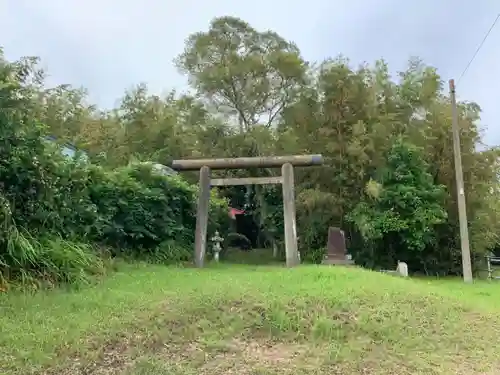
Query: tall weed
<point x="31" y="262"/>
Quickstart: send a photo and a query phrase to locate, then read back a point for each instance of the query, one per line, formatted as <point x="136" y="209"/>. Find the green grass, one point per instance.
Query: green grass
<point x="253" y="320"/>
<point x="251" y="257"/>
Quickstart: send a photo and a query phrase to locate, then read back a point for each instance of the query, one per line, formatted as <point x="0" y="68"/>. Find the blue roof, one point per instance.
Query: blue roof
<point x="67" y="148"/>
<point x="54" y="138"/>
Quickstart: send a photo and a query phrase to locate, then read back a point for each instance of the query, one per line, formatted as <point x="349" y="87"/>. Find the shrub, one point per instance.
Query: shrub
<point x="170" y="252"/>
<point x="135" y="211"/>
<point x="60" y="203"/>
<point x="34" y="262"/>
<point x="218" y="216"/>
<point x="237" y="240"/>
<point x="402" y="210"/>
<point x="315" y="256"/>
<point x="139" y="209"/>
<point x="314" y="217"/>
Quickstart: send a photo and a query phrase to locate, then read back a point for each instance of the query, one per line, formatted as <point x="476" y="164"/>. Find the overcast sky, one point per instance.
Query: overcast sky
<point x="108" y="46"/>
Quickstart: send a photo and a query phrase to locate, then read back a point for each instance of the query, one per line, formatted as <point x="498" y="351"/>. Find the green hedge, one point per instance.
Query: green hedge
<point x="138" y="209"/>
<point x="133" y="211"/>
<point x="56" y="215"/>
<point x="48" y="200"/>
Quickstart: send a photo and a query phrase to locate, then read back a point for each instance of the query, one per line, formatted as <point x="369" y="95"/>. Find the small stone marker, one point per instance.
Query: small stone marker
<point x="402" y="269"/>
<point x="275" y="250"/>
<point x="217" y="240"/>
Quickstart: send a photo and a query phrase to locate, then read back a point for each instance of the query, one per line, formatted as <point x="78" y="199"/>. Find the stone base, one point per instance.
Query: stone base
<point x="338" y="262"/>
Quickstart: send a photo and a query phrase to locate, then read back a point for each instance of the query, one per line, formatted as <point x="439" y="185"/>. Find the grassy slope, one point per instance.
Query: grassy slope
<point x="253" y="320"/>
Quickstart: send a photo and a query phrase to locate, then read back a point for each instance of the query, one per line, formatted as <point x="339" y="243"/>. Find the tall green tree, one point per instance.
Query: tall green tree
<point x="244" y="73"/>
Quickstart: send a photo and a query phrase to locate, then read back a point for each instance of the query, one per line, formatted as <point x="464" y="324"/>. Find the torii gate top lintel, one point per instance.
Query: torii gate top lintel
<point x="248" y="162"/>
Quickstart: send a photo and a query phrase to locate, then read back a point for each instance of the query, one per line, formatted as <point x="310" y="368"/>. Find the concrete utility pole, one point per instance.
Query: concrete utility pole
<point x="459" y="176"/>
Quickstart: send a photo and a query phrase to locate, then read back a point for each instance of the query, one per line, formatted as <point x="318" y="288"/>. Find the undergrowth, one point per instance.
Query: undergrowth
<point x="46" y="261"/>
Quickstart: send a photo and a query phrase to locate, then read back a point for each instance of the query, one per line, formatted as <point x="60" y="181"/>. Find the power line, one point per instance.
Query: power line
<point x="479" y="48"/>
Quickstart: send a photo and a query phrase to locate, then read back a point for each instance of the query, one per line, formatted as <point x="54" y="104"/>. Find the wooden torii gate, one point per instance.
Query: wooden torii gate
<point x="286" y="180"/>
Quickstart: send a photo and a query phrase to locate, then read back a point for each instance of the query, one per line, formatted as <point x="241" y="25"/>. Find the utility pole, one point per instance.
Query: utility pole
<point x="459" y="176"/>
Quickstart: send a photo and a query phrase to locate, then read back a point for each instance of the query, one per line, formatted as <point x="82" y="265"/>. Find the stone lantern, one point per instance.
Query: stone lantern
<point x="217" y="247"/>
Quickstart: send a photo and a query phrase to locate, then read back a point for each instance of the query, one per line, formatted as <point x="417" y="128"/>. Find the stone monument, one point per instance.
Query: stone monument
<point x="336" y="248"/>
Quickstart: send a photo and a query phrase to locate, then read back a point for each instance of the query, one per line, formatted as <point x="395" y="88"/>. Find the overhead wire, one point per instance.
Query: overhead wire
<point x="479" y="48"/>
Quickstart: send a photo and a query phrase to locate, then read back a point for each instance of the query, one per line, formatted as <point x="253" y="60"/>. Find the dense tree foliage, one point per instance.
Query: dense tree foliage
<point x="252" y="93"/>
<point x="403" y="207"/>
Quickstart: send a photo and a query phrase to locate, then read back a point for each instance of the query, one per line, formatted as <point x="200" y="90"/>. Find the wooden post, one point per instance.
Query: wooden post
<point x="200" y="239"/>
<point x="459" y="176"/>
<point x="292" y="257"/>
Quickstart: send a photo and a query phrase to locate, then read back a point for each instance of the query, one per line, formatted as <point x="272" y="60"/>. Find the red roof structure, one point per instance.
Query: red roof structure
<point x="234" y="211"/>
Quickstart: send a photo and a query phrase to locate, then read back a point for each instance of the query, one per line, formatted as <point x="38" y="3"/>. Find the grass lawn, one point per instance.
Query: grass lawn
<point x="146" y="320"/>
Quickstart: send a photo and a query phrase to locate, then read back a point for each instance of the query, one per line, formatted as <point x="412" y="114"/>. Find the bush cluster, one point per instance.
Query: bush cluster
<point x="58" y="214"/>
<point x="50" y="206"/>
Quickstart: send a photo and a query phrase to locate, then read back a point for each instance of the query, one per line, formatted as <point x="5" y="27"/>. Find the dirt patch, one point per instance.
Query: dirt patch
<point x="255" y="357"/>
<point x="269" y="353"/>
<point x="251" y="357"/>
<point x="226" y="358"/>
